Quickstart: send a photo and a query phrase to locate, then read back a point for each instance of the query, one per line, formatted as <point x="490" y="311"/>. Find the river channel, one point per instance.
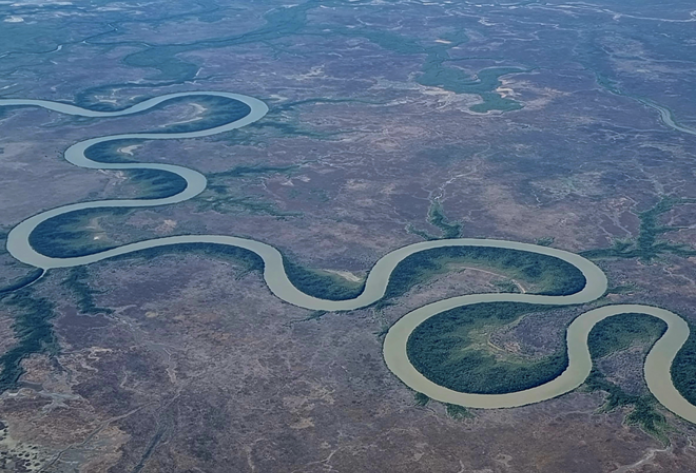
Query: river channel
<point x="657" y="365"/>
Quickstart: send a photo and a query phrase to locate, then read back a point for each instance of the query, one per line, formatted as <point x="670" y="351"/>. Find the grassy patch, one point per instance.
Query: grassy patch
<point x="622" y="289"/>
<point x="507" y="286"/>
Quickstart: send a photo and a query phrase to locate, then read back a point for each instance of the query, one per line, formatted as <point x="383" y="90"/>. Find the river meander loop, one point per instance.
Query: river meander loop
<point x="657" y="364"/>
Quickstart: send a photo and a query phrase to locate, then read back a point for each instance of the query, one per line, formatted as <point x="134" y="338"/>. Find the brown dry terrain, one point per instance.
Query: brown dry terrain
<point x="529" y="122"/>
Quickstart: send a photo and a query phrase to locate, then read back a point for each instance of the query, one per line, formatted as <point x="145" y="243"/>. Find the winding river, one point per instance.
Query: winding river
<point x="657" y="365"/>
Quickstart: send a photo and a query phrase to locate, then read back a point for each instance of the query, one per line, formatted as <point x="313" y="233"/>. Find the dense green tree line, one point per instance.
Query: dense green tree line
<point x="248" y="260"/>
<point x="684" y="368"/>
<point x="20" y="282"/>
<point x="556" y="276"/>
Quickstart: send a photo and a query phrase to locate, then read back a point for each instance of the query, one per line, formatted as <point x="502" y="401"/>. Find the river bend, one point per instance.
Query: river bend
<point x="657" y="364"/>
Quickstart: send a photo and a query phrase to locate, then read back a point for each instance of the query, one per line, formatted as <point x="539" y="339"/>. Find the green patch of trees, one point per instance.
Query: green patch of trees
<point x="440" y="348"/>
<point x="618" y="332"/>
<point x="249" y="171"/>
<point x="65" y="235"/>
<point x="156" y="184"/>
<point x="555" y="276"/>
<point x="108" y="151"/>
<point x="421" y="399"/>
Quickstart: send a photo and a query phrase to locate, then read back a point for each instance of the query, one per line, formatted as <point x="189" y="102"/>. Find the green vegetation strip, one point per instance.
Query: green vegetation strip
<point x="33" y="331"/>
<point x="684" y="368"/>
<point x="437" y="217"/>
<point x="248" y="260"/>
<point x="23" y="281"/>
<point x="647" y="246"/>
